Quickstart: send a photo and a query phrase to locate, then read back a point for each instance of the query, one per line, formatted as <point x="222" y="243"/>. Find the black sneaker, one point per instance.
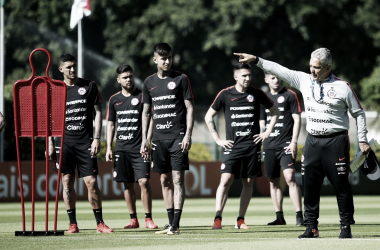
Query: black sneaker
<point x="299" y="222"/>
<point x="173" y="231"/>
<point x="277" y="222"/>
<point x="345" y="232"/>
<point x="310" y="233"/>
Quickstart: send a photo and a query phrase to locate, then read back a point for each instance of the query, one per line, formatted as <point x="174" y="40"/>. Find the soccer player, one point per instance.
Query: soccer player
<point x="81" y="144"/>
<point x="328" y="99"/>
<point x="168" y="95"/>
<point x="280" y="149"/>
<point x="124" y="112"/>
<point x="242" y="147"/>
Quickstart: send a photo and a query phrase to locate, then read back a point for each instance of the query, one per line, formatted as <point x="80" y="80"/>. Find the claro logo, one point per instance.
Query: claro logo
<point x="164" y="126"/>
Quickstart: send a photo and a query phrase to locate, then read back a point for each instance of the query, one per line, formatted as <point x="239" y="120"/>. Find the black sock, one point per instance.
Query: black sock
<point x="170" y="215"/>
<point x="280" y="215"/>
<point x="177" y="217"/>
<point x="98" y="215"/>
<point x="133" y="216"/>
<point x="216" y="217"/>
<point x="299" y="214"/>
<point x="238" y="218"/>
<point x="72" y="216"/>
<point x="148" y="215"/>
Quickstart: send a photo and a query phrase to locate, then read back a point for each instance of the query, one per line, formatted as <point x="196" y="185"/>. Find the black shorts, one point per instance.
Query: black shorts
<point x="76" y="155"/>
<point x="167" y="155"/>
<point x="275" y="159"/>
<point x="130" y="167"/>
<point x="249" y="157"/>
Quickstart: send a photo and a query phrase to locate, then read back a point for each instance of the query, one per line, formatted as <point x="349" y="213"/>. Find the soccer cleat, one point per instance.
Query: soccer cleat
<point x="217" y="224"/>
<point x="134" y="223"/>
<point x="240" y="224"/>
<point x="173" y="231"/>
<point x="149" y="223"/>
<point x="310" y="233"/>
<point x="345" y="232"/>
<point x="277" y="222"/>
<point x="73" y="228"/>
<point x="164" y="230"/>
<point x="103" y="228"/>
<point x="299" y="222"/>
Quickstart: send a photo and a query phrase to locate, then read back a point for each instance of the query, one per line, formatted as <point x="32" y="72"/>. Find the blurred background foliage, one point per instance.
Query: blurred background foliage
<point x="203" y="35"/>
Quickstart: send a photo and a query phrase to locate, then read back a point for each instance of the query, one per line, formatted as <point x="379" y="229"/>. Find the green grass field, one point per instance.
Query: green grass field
<point x="196" y="232"/>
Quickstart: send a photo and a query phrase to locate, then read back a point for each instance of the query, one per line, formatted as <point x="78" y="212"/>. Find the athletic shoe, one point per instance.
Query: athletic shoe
<point x="277" y="222"/>
<point x="217" y="224"/>
<point x="310" y="233"/>
<point x="173" y="231"/>
<point x="103" y="228"/>
<point x="149" y="223"/>
<point x="134" y="223"/>
<point x="73" y="228"/>
<point x="164" y="230"/>
<point x="240" y="224"/>
<point x="299" y="222"/>
<point x="345" y="232"/>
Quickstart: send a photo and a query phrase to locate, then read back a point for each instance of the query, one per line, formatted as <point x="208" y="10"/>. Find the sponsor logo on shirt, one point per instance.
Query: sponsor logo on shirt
<point x="275" y="133"/>
<point x="126" y="137"/>
<point x="171" y="85"/>
<point x="76" y="102"/>
<point x="126" y="112"/>
<point x="70" y="111"/>
<point x="126" y="128"/>
<point x="127" y="120"/>
<point x="164" y="126"/>
<point x="237" y="116"/>
<point x="243" y="108"/>
<point x="331" y="93"/>
<point x="82" y="91"/>
<point x="77" y="118"/>
<point x="170" y="106"/>
<point x="73" y="127"/>
<point x="320" y="102"/>
<point x="242" y="124"/>
<point x="281" y="109"/>
<point x="155" y="116"/>
<point x="324" y="111"/>
<point x="311" y="119"/>
<point x="281" y="99"/>
<point x="243" y="133"/>
<point x="279" y="125"/>
<point x="164" y="97"/>
<point x="135" y="101"/>
<point x="318" y="132"/>
<point x="250" y="98"/>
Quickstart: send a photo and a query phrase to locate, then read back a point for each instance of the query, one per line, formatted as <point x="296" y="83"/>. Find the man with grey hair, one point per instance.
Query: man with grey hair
<point x="327" y="99"/>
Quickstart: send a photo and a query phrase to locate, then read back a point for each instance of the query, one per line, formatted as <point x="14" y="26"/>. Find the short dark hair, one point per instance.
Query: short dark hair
<point x="163" y="49"/>
<point x="123" y="68"/>
<point x="239" y="65"/>
<point x="66" y="58"/>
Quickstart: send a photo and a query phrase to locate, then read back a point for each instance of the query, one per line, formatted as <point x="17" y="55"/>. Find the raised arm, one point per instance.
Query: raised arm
<point x="209" y="119"/>
<point x="95" y="146"/>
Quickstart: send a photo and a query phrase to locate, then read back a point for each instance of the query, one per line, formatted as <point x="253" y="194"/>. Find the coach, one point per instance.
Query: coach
<point x="327" y="99"/>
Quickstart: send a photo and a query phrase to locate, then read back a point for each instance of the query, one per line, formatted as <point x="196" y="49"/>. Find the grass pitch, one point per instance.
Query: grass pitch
<point x="196" y="232"/>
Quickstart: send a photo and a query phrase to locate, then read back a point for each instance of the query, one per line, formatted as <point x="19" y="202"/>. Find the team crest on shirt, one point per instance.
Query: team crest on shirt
<point x="281" y="99"/>
<point x="114" y="174"/>
<point x="222" y="166"/>
<point x="331" y="93"/>
<point x="135" y="101"/>
<point x="82" y="91"/>
<point x="171" y="85"/>
<point x="250" y="98"/>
